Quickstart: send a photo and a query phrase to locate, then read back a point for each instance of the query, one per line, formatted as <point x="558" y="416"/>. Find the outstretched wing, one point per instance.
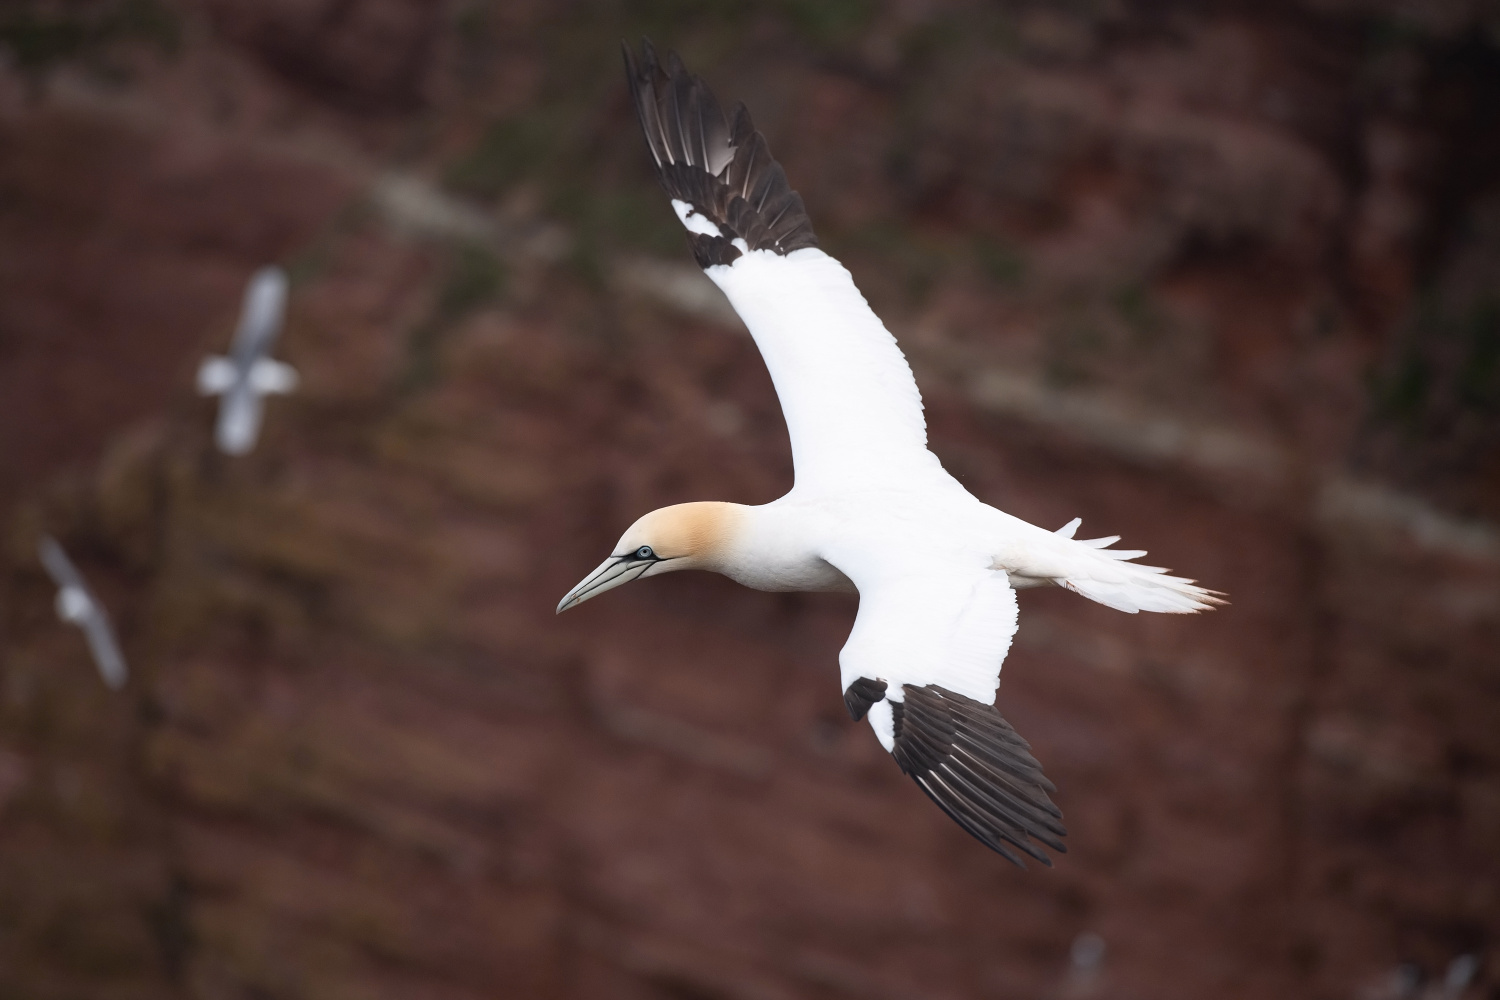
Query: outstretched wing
<point x="851" y="404"/>
<point x="923" y="664"/>
<point x="970" y="761"/>
<point x="239" y="419"/>
<point x="105" y="650"/>
<point x="58" y="565"/>
<point x="260" y="317"/>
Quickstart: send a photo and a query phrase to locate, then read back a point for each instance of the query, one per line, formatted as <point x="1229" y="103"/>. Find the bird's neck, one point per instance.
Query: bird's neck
<point x="770" y="549"/>
<point x="700" y="535"/>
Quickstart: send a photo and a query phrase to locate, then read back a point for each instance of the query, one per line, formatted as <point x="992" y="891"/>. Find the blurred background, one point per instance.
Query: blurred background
<point x="1218" y="276"/>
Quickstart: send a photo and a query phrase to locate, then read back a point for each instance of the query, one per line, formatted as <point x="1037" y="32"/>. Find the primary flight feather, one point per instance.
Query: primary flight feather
<point x="872" y="509"/>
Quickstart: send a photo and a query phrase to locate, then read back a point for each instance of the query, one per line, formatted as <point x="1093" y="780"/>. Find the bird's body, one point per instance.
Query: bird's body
<point x="872" y="509"/>
<point x="76" y="605"/>
<point x="809" y="542"/>
<point x="249" y="374"/>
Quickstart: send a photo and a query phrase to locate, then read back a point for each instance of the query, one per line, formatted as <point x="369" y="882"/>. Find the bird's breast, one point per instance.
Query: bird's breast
<point x="780" y="574"/>
<point x="793" y="543"/>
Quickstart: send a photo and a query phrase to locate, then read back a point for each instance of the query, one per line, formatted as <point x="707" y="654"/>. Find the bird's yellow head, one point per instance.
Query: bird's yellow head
<point x="684" y="536"/>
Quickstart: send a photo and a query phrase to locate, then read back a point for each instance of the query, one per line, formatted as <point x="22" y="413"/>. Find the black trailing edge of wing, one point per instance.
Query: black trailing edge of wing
<point x="722" y="167"/>
<point x="970" y="761"/>
<point x="863" y="693"/>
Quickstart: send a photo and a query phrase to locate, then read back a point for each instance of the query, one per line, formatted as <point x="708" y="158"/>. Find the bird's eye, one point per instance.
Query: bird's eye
<point x="644" y="552"/>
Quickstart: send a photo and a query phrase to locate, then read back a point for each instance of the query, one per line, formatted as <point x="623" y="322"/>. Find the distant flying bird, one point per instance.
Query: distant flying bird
<point x="872" y="509"/>
<point x="248" y="374"/>
<point x="77" y="605"/>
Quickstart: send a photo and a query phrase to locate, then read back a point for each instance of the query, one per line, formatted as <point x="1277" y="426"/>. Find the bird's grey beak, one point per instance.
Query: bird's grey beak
<point x="611" y="573"/>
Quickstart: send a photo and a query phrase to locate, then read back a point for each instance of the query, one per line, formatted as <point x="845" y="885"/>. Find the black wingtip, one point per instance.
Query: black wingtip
<point x="977" y="769"/>
<point x="643" y="71"/>
<point x="720" y="166"/>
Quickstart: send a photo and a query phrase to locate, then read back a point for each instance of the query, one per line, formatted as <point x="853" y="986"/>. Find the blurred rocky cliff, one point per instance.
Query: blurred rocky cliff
<point x="1220" y="277"/>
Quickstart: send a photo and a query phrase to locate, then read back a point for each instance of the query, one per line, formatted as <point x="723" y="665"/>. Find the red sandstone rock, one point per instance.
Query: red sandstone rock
<point x="360" y="756"/>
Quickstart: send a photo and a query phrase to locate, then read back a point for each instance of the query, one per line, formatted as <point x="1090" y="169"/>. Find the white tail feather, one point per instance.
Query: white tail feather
<point x="1132" y="587"/>
<point x="1089" y="567"/>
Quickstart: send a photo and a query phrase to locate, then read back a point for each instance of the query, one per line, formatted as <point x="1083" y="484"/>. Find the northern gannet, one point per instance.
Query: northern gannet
<point x="248" y="375"/>
<point x="872" y="510"/>
<point x="76" y="605"/>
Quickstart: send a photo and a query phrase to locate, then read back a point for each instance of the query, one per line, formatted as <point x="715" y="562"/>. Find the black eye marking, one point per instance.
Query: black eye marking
<point x="645" y="552"/>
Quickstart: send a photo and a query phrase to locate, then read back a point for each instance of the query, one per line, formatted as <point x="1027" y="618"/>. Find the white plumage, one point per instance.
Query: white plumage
<point x="851" y="404"/>
<point x="76" y="605"/>
<point x="248" y="375"/>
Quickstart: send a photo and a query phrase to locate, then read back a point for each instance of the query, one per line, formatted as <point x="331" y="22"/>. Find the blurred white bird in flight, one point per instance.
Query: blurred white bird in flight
<point x="248" y="375"/>
<point x="872" y="509"/>
<point x="77" y="605"/>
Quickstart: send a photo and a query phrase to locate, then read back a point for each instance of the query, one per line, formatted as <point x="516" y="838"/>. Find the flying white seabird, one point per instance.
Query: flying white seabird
<point x="248" y="375"/>
<point x="872" y="509"/>
<point x="77" y="605"/>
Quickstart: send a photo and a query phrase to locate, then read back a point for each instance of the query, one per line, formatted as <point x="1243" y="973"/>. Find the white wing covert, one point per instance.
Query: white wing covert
<point x="948" y="624"/>
<point x="851" y="404"/>
<point x="850" y="401"/>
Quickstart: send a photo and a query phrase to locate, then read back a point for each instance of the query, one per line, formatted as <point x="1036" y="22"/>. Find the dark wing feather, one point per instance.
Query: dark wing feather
<point x="861" y="694"/>
<point x="970" y="761"/>
<point x="725" y="172"/>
